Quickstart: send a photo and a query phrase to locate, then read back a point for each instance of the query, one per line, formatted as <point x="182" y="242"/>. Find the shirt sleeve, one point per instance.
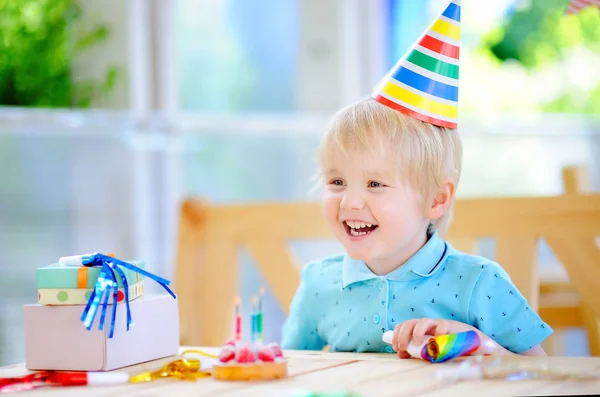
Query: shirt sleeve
<point x="300" y="331"/>
<point x="500" y="311"/>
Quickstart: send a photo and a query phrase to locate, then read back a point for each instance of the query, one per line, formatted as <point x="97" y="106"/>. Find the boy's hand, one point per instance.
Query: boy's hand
<point x="416" y="329"/>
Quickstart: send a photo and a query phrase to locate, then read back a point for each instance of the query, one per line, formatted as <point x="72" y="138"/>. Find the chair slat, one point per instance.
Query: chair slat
<point x="518" y="256"/>
<point x="276" y="263"/>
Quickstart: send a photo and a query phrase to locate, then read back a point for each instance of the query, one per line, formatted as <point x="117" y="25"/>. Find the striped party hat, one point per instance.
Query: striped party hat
<point x="575" y="6"/>
<point x="424" y="83"/>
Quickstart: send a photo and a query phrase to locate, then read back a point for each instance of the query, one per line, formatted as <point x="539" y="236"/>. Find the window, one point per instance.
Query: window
<point x="237" y="55"/>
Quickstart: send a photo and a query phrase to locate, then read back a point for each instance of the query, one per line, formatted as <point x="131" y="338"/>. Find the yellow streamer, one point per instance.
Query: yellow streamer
<point x="185" y="368"/>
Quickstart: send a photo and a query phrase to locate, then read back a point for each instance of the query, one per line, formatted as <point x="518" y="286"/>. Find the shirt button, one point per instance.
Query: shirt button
<point x="376" y="318"/>
<point x="381" y="285"/>
<point x="389" y="349"/>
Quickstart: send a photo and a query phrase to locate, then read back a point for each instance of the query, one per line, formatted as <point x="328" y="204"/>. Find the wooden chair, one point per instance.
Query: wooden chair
<point x="558" y="302"/>
<point x="210" y="235"/>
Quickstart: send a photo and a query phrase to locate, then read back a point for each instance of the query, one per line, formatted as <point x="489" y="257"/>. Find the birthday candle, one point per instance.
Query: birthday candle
<point x="77" y="260"/>
<point x="238" y="320"/>
<point x="254" y="319"/>
<point x="259" y="315"/>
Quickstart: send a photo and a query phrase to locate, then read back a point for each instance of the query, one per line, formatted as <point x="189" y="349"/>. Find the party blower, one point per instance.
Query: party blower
<point x="438" y="349"/>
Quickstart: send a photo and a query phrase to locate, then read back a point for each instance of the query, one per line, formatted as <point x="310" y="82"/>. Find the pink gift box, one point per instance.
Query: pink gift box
<point x="56" y="339"/>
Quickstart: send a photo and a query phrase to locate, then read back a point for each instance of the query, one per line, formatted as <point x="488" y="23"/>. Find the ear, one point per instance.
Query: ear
<point x="442" y="200"/>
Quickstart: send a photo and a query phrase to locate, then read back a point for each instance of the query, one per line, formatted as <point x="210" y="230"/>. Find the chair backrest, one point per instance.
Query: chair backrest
<point x="210" y="236"/>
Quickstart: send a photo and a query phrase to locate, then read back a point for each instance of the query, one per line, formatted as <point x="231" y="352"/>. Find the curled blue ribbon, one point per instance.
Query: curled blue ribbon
<point x="107" y="281"/>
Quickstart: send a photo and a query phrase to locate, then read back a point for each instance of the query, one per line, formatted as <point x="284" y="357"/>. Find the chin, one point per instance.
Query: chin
<point x="359" y="255"/>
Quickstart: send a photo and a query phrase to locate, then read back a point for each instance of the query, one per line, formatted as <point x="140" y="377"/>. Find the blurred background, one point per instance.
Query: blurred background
<point x="113" y="111"/>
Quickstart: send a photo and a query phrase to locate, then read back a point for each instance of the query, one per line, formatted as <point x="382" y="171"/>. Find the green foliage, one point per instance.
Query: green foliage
<point x="38" y="42"/>
<point x="574" y="100"/>
<point x="539" y="34"/>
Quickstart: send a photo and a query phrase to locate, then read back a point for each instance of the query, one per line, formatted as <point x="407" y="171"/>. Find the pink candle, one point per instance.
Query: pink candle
<point x="238" y="320"/>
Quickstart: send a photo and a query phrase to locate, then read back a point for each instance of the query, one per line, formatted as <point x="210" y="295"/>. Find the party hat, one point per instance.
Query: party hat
<point x="424" y="83"/>
<point x="575" y="6"/>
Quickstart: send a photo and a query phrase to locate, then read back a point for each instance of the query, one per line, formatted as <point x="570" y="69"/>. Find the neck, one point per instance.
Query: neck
<point x="386" y="265"/>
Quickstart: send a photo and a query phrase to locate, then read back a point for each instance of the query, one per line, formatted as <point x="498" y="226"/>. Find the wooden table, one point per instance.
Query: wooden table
<point x="378" y="375"/>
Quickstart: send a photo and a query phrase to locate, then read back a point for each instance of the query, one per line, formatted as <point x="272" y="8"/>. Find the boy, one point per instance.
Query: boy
<point x="390" y="166"/>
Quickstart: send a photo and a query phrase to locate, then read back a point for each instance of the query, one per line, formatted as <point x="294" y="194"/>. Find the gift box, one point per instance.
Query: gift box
<point x="56" y="338"/>
<point x="73" y="285"/>
<point x="80" y="296"/>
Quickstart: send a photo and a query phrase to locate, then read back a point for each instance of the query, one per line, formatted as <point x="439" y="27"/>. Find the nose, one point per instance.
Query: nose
<point x="352" y="201"/>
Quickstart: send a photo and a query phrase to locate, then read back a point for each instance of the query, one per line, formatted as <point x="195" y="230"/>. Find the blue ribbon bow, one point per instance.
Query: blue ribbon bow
<point x="106" y="281"/>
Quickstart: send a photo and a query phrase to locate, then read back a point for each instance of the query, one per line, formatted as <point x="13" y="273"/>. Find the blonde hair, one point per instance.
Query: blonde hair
<point x="426" y="155"/>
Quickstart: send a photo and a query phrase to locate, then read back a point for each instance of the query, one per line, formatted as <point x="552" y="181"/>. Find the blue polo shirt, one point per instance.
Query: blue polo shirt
<point x="341" y="303"/>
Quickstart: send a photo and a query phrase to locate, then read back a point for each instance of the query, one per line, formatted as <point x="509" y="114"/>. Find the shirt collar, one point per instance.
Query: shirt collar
<point x="423" y="263"/>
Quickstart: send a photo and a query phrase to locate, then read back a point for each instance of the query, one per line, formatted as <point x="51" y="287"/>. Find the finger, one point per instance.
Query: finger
<point x="405" y="334"/>
<point x="395" y="337"/>
<point x="423" y="327"/>
<point x="442" y="328"/>
<point x="404" y="354"/>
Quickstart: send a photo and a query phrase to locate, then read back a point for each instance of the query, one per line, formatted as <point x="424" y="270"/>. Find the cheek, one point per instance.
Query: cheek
<point x="397" y="210"/>
<point x="331" y="205"/>
<point x="389" y="216"/>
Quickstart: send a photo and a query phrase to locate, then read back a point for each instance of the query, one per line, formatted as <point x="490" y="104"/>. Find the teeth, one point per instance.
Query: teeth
<point x="358" y="225"/>
<point x="355" y="233"/>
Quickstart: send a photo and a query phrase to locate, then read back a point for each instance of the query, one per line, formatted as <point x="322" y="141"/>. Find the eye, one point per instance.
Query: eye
<point x="375" y="184"/>
<point x="337" y="182"/>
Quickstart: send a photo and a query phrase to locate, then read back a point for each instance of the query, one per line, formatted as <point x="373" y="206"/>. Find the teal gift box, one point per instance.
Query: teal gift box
<point x="73" y="285"/>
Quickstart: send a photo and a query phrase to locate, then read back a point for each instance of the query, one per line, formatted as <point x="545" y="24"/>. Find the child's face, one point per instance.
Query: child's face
<point x="371" y="210"/>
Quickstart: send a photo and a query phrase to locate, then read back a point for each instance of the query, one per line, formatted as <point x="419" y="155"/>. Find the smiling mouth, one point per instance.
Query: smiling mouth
<point x="357" y="229"/>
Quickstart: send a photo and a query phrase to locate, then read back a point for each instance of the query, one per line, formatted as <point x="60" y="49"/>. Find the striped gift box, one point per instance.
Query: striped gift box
<point x="73" y="285"/>
<point x="80" y="296"/>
